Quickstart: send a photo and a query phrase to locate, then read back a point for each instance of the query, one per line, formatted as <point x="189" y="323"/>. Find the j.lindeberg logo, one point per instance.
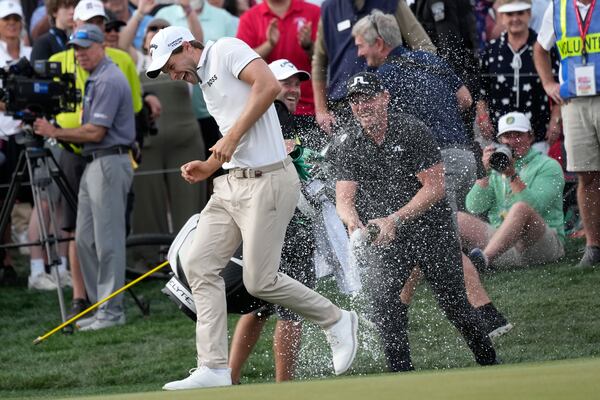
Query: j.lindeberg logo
<point x="359" y="80"/>
<point x="211" y="80"/>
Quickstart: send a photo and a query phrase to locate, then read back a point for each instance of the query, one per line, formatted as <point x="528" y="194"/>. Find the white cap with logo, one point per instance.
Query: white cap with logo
<point x="88" y="9"/>
<point x="163" y="44"/>
<point x="513" y="122"/>
<point x="10" y="7"/>
<point x="283" y="69"/>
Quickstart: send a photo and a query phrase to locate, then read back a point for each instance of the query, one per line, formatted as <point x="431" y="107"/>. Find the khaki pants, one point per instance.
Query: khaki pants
<point x="581" y="122"/>
<point x="257" y="212"/>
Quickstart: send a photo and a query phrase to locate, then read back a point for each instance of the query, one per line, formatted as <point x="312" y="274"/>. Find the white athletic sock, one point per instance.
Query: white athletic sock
<point x="63" y="264"/>
<point x="37" y="266"/>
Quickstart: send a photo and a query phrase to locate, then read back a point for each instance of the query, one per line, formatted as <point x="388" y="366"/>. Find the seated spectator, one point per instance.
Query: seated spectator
<point x="522" y="201"/>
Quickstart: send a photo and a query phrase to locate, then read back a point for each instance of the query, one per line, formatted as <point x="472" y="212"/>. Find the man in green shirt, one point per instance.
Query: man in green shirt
<point x="523" y="203"/>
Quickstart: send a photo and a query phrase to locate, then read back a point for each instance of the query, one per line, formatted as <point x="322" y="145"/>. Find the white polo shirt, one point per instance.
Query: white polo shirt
<point x="226" y="96"/>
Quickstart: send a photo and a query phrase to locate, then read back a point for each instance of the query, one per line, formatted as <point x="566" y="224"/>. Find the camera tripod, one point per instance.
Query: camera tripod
<point x="38" y="162"/>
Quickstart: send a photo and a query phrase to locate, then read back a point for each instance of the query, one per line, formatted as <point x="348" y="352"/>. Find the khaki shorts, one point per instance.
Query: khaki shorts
<point x="581" y="124"/>
<point x="548" y="248"/>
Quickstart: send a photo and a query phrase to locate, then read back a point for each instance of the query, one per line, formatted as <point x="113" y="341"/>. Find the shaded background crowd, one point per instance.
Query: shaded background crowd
<point x="464" y="67"/>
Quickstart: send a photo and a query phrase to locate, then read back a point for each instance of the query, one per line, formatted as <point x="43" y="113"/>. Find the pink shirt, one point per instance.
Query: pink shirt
<point x="253" y="28"/>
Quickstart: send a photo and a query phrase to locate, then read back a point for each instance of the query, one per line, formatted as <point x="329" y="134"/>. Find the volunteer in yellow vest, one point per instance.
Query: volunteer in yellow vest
<point x="574" y="27"/>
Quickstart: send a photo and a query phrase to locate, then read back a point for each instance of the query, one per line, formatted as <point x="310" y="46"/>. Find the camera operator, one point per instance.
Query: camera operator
<point x="12" y="48"/>
<point x="90" y="12"/>
<point x="522" y="199"/>
<point x="107" y="133"/>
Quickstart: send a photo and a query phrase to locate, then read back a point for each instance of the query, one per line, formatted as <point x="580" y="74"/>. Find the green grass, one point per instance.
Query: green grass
<point x="554" y="309"/>
<point x="573" y="379"/>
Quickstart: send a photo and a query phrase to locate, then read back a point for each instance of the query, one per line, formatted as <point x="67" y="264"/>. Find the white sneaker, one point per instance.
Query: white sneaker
<point x="201" y="377"/>
<point x="102" y="323"/>
<point x="342" y="338"/>
<point x="41" y="281"/>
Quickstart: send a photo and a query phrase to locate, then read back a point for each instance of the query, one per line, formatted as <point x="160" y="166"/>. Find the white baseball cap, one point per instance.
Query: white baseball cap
<point x="283" y="69"/>
<point x="513" y="121"/>
<point x="10" y="7"/>
<point x="507" y="6"/>
<point x="163" y="44"/>
<point x="88" y="9"/>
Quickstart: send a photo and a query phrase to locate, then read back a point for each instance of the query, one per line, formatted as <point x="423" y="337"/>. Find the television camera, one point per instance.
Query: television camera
<point x="29" y="92"/>
<point x="40" y="90"/>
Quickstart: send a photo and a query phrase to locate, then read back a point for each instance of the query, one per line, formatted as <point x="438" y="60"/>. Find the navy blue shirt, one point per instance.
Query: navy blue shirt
<point x="338" y="18"/>
<point x="423" y="85"/>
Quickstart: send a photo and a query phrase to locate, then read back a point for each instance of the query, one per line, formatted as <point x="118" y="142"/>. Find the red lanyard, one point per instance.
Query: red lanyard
<point x="584" y="26"/>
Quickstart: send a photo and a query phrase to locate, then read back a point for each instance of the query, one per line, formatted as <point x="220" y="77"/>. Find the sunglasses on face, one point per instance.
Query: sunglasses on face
<point x="110" y="29"/>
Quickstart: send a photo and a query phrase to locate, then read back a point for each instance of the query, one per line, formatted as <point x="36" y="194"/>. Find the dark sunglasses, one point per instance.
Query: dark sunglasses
<point x="155" y="28"/>
<point x="110" y="29"/>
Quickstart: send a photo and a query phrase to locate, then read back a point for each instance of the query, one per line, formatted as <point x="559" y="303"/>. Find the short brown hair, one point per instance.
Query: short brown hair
<point x="52" y="6"/>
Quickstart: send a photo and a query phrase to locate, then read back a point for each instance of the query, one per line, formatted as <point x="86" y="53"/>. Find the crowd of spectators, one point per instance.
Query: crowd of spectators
<point x="448" y="82"/>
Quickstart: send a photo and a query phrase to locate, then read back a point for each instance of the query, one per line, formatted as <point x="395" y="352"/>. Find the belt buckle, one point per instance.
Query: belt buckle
<point x="247" y="173"/>
<point x="252" y="173"/>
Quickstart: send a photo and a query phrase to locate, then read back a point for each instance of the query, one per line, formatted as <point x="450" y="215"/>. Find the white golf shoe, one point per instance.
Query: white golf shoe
<point x="342" y="338"/>
<point x="202" y="377"/>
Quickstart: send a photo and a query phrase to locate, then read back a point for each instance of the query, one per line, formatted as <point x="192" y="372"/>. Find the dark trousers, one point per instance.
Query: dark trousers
<point x="436" y="251"/>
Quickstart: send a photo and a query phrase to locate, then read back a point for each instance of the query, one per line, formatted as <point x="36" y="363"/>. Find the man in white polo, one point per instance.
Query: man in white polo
<point x="254" y="202"/>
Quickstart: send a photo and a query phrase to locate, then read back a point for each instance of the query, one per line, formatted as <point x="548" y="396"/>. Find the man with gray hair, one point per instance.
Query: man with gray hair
<point x="334" y="58"/>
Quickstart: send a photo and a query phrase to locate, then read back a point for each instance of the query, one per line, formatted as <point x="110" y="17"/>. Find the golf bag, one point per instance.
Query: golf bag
<point x="239" y="301"/>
